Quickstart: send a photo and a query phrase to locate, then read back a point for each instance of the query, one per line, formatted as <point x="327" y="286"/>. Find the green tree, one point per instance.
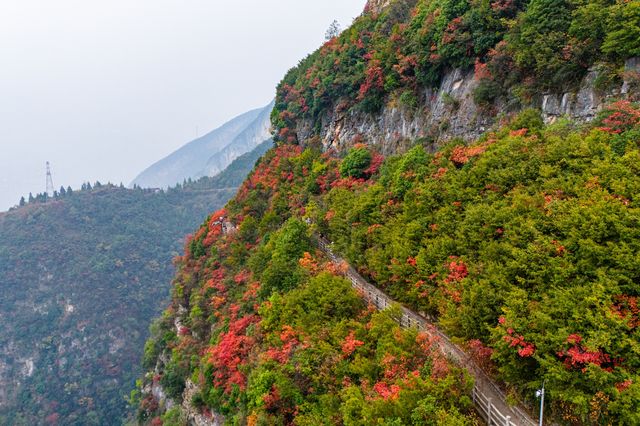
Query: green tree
<point x="623" y="35"/>
<point x="355" y="163"/>
<point x="277" y="261"/>
<point x="540" y="39"/>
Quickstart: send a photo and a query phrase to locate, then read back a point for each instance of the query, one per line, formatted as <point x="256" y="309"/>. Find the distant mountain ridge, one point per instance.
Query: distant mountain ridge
<point x="81" y="276"/>
<point x="252" y="136"/>
<point x="212" y="153"/>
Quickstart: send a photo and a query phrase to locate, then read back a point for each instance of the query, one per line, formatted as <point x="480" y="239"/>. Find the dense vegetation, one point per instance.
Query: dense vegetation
<point x="272" y="334"/>
<point x="82" y="274"/>
<point x="524" y="245"/>
<point x="519" y="48"/>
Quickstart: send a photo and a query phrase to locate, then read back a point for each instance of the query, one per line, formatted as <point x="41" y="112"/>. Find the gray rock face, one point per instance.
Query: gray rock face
<point x="188" y="412"/>
<point x="211" y="153"/>
<point x="376" y="6"/>
<point x="446" y="113"/>
<point x="159" y="394"/>
<point x="631" y="76"/>
<point x="581" y="106"/>
<point x="450" y="112"/>
<point x="193" y="416"/>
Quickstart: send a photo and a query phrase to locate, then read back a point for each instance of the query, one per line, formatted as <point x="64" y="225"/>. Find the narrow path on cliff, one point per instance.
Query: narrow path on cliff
<point x="488" y="398"/>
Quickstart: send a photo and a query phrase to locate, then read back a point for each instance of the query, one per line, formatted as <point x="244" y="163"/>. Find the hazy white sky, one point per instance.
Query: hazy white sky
<point x="103" y="88"/>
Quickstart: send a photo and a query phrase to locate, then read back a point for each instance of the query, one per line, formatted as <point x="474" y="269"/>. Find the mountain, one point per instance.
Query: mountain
<point x="211" y="153"/>
<point x="443" y="69"/>
<point x="252" y="136"/>
<point x="81" y="277"/>
<point x="450" y="212"/>
<point x="522" y="247"/>
<point x="233" y="176"/>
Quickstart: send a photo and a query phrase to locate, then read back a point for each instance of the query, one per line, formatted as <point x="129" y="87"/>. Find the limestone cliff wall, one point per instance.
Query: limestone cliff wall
<point x="189" y="413"/>
<point x="450" y="112"/>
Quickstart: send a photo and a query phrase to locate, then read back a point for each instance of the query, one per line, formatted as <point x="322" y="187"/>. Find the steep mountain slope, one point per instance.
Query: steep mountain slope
<point x="519" y="238"/>
<point x="523" y="246"/>
<point x="252" y="136"/>
<point x="211" y="153"/>
<point x="264" y="330"/>
<point x="441" y="69"/>
<point x="234" y="175"/>
<point x="81" y="277"/>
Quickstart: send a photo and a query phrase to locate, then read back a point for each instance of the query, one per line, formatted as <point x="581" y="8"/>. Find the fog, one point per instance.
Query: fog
<point x="102" y="89"/>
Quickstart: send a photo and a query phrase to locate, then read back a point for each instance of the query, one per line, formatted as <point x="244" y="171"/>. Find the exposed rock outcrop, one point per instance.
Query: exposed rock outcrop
<point x="450" y="112"/>
<point x="189" y="413"/>
<point x="447" y="112"/>
<point x="192" y="415"/>
<point x="581" y="106"/>
<point x="631" y="78"/>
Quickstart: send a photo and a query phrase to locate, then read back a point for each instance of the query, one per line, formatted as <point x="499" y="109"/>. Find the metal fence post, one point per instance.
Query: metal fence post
<point x="507" y="421"/>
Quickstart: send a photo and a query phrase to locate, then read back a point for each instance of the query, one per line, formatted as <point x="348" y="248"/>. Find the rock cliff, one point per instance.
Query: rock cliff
<point x="252" y="136"/>
<point x="450" y="112"/>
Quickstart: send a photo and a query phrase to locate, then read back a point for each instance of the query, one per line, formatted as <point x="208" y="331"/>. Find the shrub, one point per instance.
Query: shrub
<point x="623" y="39"/>
<point x="409" y="99"/>
<point x="528" y="119"/>
<point x="355" y="163"/>
<point x="486" y="92"/>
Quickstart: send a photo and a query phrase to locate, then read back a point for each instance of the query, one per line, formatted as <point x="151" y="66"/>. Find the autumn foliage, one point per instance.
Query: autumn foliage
<point x="520" y="245"/>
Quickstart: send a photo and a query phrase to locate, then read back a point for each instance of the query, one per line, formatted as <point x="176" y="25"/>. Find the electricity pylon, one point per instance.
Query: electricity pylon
<point x="49" y="181"/>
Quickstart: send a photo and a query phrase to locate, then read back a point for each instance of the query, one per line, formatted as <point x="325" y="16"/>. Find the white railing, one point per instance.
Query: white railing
<point x="489" y="400"/>
<point x="488" y="411"/>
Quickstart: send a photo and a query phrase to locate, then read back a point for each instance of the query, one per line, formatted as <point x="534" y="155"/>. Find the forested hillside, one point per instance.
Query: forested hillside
<point x="394" y="57"/>
<point x="81" y="278"/>
<point x="522" y="243"/>
<point x="291" y="340"/>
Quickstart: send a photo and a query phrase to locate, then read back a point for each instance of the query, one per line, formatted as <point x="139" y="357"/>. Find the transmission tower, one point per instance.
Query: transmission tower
<point x="49" y="181"/>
